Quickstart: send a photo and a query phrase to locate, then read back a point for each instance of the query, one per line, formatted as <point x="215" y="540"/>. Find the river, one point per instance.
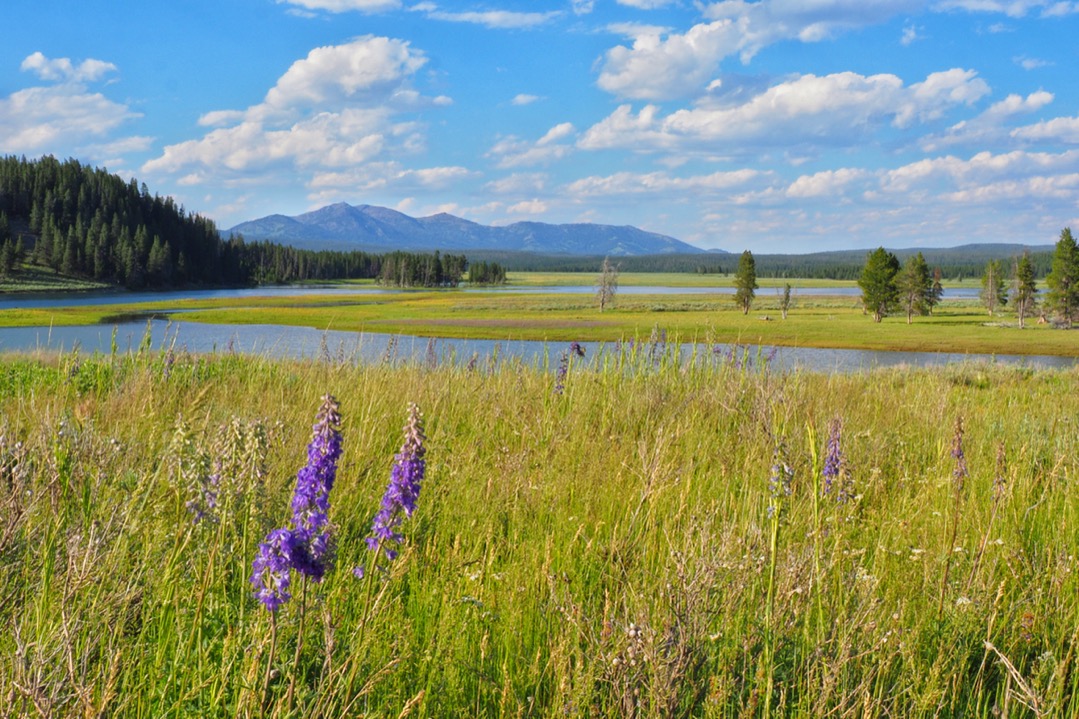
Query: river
<point x="305" y="342"/>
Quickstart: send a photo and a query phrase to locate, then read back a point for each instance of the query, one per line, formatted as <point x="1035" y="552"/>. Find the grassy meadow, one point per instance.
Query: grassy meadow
<point x="960" y="326"/>
<point x="641" y="538"/>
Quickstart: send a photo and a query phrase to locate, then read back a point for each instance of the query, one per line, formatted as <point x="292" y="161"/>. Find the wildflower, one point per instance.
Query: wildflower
<point x="403" y="489"/>
<point x="271" y="576"/>
<point x="304" y="546"/>
<point x="1000" y="483"/>
<point x="311" y="500"/>
<point x="835" y="469"/>
<point x="575" y="349"/>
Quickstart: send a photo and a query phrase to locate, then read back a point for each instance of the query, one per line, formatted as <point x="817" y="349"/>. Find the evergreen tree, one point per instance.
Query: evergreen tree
<point x="745" y="281"/>
<point x="937" y="293"/>
<point x="1063" y="279"/>
<point x="7" y="258"/>
<point x="1025" y="288"/>
<point x="879" y="292"/>
<point x="915" y="286"/>
<point x="993" y="294"/>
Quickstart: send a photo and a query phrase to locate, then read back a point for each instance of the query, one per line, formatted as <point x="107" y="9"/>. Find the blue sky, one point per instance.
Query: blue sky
<point x="774" y="126"/>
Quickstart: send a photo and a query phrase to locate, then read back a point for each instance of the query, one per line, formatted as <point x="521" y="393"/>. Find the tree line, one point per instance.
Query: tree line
<point x="86" y="222"/>
<point x="888" y="286"/>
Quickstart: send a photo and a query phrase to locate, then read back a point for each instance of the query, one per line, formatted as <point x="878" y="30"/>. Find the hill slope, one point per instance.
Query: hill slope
<point x="371" y="228"/>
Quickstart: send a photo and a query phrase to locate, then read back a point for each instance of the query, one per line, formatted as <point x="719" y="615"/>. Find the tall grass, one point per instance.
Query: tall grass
<point x="606" y="550"/>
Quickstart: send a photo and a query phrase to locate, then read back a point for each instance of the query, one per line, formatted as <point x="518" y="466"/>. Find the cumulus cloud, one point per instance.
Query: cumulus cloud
<point x="62" y="117"/>
<point x="828" y="183"/>
<point x="837" y="109"/>
<point x="334" y="108"/>
<point x="511" y="151"/>
<point x="990" y="125"/>
<point x="523" y="99"/>
<point x="1059" y="129"/>
<point x="63" y="70"/>
<point x="528" y="207"/>
<point x="661" y="66"/>
<point x="388" y="177"/>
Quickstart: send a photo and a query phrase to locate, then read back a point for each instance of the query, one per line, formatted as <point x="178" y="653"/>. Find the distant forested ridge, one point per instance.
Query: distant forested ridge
<point x="966" y="261"/>
<point x="86" y="222"/>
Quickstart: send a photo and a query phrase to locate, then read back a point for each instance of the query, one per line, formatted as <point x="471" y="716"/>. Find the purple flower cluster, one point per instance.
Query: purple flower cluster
<point x="575" y="349"/>
<point x="305" y="546"/>
<point x="402" y="491"/>
<point x="781" y="478"/>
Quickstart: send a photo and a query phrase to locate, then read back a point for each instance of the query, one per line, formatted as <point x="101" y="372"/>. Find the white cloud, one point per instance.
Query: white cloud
<point x="511" y="151"/>
<point x="63" y="70"/>
<point x="339" y="6"/>
<point x="829" y="183"/>
<point x="839" y="109"/>
<point x="523" y="99"/>
<point x="911" y="34"/>
<point x="1011" y="8"/>
<point x="493" y="19"/>
<point x="1030" y="63"/>
<point x="1059" y="129"/>
<point x="518" y="183"/>
<point x="990" y="125"/>
<point x="645" y="4"/>
<point x="583" y="7"/>
<point x="528" y="207"/>
<point x="655" y="183"/>
<point x="659" y="68"/>
<point x="332" y="109"/>
<point x="57" y="119"/>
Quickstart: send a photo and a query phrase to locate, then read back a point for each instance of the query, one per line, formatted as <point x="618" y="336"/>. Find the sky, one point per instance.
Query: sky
<point x="774" y="126"/>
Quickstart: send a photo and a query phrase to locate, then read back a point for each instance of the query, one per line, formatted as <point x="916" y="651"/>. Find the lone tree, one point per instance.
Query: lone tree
<point x="745" y="281"/>
<point x="879" y="291"/>
<point x="785" y="300"/>
<point x="607" y="284"/>
<point x="1024" y="288"/>
<point x="915" y="287"/>
<point x="993" y="293"/>
<point x="1063" y="279"/>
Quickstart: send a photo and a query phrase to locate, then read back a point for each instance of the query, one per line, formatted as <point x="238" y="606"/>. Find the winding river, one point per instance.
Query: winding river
<point x="304" y="342"/>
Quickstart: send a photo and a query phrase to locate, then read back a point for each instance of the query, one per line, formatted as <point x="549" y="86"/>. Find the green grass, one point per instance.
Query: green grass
<point x="37" y="279"/>
<point x="604" y="552"/>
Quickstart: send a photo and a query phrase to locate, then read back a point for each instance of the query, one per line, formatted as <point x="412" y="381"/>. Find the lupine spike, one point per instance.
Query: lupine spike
<point x="305" y="546"/>
<point x="402" y="491"/>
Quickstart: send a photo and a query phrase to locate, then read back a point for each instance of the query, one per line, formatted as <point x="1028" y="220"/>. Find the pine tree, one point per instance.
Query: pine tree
<point x="879" y="291"/>
<point x="1025" y="288"/>
<point x="993" y="292"/>
<point x="915" y="286"/>
<point x="1063" y="279"/>
<point x="745" y="281"/>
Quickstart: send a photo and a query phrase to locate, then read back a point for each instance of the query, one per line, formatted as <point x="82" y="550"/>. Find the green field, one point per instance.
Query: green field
<point x="613" y="550"/>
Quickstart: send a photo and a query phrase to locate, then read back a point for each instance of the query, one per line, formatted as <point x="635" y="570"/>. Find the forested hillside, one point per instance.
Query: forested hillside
<point x="86" y="222"/>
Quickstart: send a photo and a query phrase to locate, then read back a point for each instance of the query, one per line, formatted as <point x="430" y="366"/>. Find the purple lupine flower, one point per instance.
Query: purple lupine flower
<point x="833" y="458"/>
<point x="311" y="500"/>
<point x="306" y="545"/>
<point x="575" y="348"/>
<point x="560" y="373"/>
<point x="402" y="491"/>
<point x="271" y="575"/>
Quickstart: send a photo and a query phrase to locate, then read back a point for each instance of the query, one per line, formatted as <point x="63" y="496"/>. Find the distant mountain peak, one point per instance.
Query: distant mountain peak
<point x="341" y="226"/>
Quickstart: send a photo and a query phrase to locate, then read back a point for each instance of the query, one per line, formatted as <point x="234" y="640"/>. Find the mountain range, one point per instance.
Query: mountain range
<point x="379" y="229"/>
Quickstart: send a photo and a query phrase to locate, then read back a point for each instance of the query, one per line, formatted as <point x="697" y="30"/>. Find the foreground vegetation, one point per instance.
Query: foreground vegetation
<point x="642" y="538"/>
